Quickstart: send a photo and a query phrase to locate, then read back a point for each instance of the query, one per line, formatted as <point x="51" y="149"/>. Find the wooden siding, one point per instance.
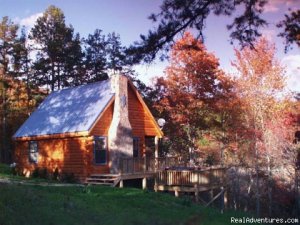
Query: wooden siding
<point x="75" y="154"/>
<point x="141" y="123"/>
<point x="101" y="129"/>
<point x="69" y="155"/>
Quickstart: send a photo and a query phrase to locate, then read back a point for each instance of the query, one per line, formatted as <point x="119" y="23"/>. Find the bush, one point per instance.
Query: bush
<point x="55" y="175"/>
<point x="68" y="178"/>
<point x="5" y="169"/>
<point x="35" y="173"/>
<point x="43" y="173"/>
<point x="211" y="159"/>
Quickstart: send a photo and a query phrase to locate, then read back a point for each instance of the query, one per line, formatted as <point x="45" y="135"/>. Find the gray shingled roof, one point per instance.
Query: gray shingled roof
<point x="69" y="110"/>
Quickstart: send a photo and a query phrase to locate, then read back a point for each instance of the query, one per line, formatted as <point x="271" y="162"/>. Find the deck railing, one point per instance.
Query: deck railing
<point x="131" y="165"/>
<point x="171" y="170"/>
<point x="210" y="176"/>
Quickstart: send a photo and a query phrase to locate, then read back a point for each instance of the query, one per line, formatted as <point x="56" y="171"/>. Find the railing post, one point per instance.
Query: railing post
<point x="196" y="192"/>
<point x="127" y="166"/>
<point x="133" y="166"/>
<point x="121" y="166"/>
<point x="156" y="176"/>
<point x="145" y="163"/>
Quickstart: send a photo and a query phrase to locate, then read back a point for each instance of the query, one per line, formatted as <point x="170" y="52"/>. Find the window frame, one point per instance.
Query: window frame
<point x="105" y="149"/>
<point x="30" y="143"/>
<point x="137" y="139"/>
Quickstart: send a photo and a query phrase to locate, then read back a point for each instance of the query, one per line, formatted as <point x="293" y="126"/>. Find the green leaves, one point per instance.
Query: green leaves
<point x="291" y="26"/>
<point x="177" y="17"/>
<point x="58" y="50"/>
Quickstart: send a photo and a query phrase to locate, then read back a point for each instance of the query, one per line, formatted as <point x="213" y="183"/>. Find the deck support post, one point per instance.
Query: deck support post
<point x="121" y="184"/>
<point x="211" y="194"/>
<point x="144" y="183"/>
<point x="155" y="183"/>
<point x="225" y="199"/>
<point x="196" y="192"/>
<point x="222" y="199"/>
<point x="176" y="192"/>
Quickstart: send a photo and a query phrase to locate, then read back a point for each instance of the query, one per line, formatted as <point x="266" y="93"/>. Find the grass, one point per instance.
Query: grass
<point x="23" y="204"/>
<point x="6" y="172"/>
<point x="51" y="205"/>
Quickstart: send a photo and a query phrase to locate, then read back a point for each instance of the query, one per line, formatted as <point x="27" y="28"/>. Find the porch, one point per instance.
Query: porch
<point x="169" y="174"/>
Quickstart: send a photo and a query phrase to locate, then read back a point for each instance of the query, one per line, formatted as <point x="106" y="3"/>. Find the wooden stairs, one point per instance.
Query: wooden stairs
<point x="103" y="179"/>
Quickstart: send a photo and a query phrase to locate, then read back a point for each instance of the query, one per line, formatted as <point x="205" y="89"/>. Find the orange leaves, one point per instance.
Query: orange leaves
<point x="191" y="90"/>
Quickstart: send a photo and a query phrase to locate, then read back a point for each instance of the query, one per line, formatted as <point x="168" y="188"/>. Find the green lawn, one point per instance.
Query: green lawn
<point x="42" y="205"/>
<point x="27" y="204"/>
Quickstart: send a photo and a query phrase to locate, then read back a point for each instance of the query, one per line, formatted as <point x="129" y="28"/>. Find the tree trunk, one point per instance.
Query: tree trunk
<point x="191" y="149"/>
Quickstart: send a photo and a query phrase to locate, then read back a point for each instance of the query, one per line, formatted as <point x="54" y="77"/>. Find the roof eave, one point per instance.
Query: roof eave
<point x="52" y="136"/>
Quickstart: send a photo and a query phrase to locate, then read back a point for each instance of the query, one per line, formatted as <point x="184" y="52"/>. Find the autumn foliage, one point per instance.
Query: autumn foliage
<point x="190" y="93"/>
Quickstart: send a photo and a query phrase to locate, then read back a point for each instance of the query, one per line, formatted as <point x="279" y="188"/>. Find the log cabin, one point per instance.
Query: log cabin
<point x="86" y="129"/>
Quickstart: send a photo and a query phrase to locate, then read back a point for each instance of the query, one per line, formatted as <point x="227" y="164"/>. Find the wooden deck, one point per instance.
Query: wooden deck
<point x="169" y="174"/>
<point x="203" y="177"/>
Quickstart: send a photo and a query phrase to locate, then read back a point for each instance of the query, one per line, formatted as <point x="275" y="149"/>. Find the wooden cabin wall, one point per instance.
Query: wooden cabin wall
<point x="75" y="155"/>
<point x="68" y="155"/>
<point x="101" y="129"/>
<point x="141" y="123"/>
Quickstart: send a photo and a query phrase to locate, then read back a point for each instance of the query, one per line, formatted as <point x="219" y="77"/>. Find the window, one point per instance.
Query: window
<point x="136" y="150"/>
<point x="33" y="151"/>
<point x="100" y="150"/>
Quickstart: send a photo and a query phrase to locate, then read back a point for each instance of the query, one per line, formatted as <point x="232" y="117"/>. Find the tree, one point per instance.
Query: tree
<point x="260" y="87"/>
<point x="291" y="26"/>
<point x="22" y="67"/>
<point x="58" y="51"/>
<point x="116" y="58"/>
<point x="178" y="16"/>
<point x="104" y="53"/>
<point x="95" y="56"/>
<point x="189" y="92"/>
<point x="8" y="35"/>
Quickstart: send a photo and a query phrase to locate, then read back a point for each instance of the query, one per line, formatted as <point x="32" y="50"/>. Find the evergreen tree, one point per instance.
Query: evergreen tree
<point x="58" y="50"/>
<point x="178" y="16"/>
<point x="103" y="54"/>
<point x="95" y="56"/>
<point x="8" y="35"/>
<point x="291" y="26"/>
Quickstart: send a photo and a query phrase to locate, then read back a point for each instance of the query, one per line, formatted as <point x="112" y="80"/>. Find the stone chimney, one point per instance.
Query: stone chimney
<point x="120" y="132"/>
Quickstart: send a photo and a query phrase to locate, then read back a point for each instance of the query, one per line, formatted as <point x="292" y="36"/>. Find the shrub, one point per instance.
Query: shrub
<point x="43" y="173"/>
<point x="68" y="178"/>
<point x="55" y="175"/>
<point x="210" y="159"/>
<point x="5" y="169"/>
<point x="35" y="173"/>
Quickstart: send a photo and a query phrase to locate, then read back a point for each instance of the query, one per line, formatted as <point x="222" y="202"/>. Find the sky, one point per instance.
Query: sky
<point x="129" y="19"/>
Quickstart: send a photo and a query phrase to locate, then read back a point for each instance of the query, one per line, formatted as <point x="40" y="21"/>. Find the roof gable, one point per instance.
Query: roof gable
<point x="146" y="109"/>
<point x="70" y="110"/>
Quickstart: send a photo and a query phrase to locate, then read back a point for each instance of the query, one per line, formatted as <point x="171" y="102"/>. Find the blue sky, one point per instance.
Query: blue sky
<point x="129" y="19"/>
